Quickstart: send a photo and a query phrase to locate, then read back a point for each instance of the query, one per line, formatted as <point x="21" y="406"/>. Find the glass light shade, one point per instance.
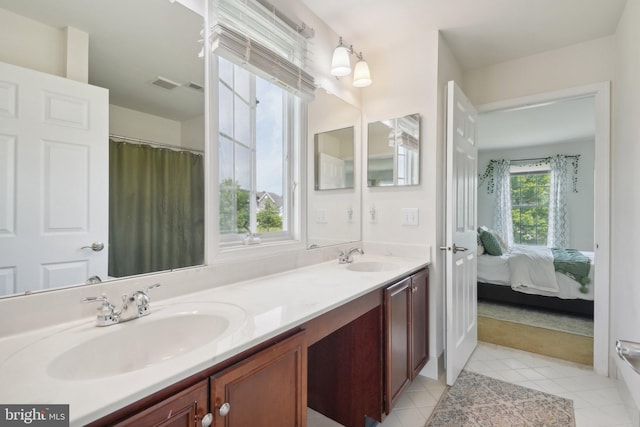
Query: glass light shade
<point x="340" y="65"/>
<point x="361" y="74"/>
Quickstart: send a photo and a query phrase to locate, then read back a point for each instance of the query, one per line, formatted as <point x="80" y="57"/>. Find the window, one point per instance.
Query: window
<point x="257" y="120"/>
<point x="530" y="207"/>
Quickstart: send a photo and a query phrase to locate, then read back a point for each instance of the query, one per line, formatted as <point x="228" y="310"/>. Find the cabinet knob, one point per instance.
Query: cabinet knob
<point x="224" y="409"/>
<point x="207" y="420"/>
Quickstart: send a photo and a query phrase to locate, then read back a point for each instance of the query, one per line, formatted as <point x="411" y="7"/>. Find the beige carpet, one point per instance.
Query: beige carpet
<point x="477" y="400"/>
<point x="532" y="316"/>
<point x="562" y="345"/>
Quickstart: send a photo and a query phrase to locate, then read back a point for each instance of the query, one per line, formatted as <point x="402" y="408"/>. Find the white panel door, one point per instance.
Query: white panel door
<point x="54" y="178"/>
<point x="461" y="228"/>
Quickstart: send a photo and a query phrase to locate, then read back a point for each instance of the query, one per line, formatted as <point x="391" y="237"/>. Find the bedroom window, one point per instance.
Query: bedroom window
<point x="530" y="206"/>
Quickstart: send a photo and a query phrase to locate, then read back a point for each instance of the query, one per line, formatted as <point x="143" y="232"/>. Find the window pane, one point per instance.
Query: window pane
<point x="242" y="120"/>
<point x="226" y="71"/>
<point x="243" y="167"/>
<point x="270" y="155"/>
<point x="530" y="201"/>
<point x="243" y="83"/>
<point x="225" y="114"/>
<point x="227" y="187"/>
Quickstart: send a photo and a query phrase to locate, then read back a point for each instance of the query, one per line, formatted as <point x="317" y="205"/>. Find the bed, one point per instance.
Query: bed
<point x="495" y="284"/>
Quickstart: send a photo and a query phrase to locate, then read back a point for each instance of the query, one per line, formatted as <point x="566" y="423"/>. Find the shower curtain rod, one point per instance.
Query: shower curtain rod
<point x="575" y="156"/>
<point x="153" y="143"/>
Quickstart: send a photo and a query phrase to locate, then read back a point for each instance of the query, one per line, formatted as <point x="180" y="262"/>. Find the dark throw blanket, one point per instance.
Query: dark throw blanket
<point x="572" y="263"/>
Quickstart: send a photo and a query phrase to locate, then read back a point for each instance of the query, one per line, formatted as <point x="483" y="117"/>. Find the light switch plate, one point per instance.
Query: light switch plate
<point x="410" y="216"/>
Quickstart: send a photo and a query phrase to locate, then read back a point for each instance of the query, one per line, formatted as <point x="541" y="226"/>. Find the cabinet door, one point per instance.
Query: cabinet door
<point x="185" y="409"/>
<point x="419" y="321"/>
<point x="398" y="368"/>
<point x="265" y="390"/>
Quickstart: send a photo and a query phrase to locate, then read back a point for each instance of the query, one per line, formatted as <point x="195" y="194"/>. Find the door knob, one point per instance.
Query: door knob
<point x="459" y="248"/>
<point x="95" y="246"/>
<point x="454" y="249"/>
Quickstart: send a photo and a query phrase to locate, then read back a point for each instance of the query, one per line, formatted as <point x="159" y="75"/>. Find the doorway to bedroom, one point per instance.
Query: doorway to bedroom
<point x="542" y="179"/>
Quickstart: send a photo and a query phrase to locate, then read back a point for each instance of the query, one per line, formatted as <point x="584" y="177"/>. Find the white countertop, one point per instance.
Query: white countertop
<point x="269" y="305"/>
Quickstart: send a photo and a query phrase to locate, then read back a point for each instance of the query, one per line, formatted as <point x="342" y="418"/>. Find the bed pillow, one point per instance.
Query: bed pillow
<point x="480" y="247"/>
<point x="500" y="239"/>
<point x="490" y="243"/>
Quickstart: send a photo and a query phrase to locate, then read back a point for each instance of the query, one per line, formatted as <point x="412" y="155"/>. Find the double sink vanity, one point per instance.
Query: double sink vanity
<point x="344" y="339"/>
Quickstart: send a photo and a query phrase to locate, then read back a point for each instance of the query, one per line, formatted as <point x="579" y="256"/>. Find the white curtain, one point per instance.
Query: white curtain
<point x="558" y="233"/>
<point x="502" y="220"/>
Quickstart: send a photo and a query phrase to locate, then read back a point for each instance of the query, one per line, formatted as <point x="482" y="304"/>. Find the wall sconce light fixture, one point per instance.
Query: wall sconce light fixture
<point x="341" y="65"/>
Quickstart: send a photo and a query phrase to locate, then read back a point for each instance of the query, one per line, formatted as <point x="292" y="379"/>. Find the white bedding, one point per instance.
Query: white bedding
<point x="495" y="269"/>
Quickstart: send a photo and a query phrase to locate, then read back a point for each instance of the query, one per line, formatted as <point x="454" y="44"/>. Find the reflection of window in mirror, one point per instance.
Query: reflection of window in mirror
<point x="394" y="152"/>
<point x="334" y="151"/>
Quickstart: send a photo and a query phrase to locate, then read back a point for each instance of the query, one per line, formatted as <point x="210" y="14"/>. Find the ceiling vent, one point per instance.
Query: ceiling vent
<point x="194" y="86"/>
<point x="165" y="83"/>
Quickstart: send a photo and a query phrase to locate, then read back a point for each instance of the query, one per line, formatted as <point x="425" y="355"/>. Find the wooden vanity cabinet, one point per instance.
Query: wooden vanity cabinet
<point x="185" y="409"/>
<point x="263" y="389"/>
<point x="406" y="335"/>
<point x="268" y="389"/>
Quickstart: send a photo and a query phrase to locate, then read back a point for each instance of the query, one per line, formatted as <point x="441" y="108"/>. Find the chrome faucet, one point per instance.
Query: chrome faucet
<point x="134" y="306"/>
<point x="345" y="257"/>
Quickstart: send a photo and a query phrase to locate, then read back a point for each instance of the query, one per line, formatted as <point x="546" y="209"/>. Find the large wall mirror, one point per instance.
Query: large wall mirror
<point x="152" y="215"/>
<point x="333" y="168"/>
<point x="393" y="156"/>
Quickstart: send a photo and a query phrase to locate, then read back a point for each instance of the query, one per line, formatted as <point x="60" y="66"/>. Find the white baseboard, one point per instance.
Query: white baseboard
<point x="435" y="368"/>
<point x="632" y="408"/>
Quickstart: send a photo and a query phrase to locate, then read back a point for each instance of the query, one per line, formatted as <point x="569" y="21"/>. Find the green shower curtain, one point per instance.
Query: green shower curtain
<point x="156" y="209"/>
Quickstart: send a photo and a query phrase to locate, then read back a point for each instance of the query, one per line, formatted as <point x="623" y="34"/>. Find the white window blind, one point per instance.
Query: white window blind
<point x="246" y="33"/>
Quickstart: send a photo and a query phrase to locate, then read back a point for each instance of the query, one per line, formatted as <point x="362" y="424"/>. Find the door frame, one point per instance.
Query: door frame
<point x="603" y="363"/>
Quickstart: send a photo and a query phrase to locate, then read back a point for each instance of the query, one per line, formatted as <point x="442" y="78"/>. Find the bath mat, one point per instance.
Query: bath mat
<point x="478" y="400"/>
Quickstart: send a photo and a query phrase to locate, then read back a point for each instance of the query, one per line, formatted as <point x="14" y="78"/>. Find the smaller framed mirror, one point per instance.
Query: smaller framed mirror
<point x="334" y="152"/>
<point x="394" y="152"/>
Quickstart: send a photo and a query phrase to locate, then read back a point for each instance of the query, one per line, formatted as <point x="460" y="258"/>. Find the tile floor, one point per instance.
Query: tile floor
<point x="596" y="400"/>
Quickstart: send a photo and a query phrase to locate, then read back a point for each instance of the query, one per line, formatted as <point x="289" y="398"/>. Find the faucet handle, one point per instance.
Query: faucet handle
<point x="155" y="285"/>
<point x="102" y="298"/>
<point x="105" y="314"/>
<point x="142" y="299"/>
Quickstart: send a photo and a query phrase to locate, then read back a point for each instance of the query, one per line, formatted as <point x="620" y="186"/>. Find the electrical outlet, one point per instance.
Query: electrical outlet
<point x="321" y="216"/>
<point x="373" y="215"/>
<point x="410" y="216"/>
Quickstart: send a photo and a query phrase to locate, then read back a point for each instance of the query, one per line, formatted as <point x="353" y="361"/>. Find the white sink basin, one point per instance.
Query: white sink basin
<point x="168" y="332"/>
<point x="371" y="266"/>
<point x="137" y="345"/>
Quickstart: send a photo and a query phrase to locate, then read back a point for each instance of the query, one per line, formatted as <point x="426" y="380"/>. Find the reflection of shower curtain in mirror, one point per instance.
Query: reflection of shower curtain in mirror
<point x="156" y="209"/>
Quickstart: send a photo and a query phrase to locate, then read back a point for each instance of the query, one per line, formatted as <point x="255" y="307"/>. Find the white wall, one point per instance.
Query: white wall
<point x="135" y="124"/>
<point x="625" y="227"/>
<point x="576" y="65"/>
<point x="30" y="44"/>
<point x="417" y="87"/>
<point x="328" y="112"/>
<point x="580" y="205"/>
<point x="192" y="133"/>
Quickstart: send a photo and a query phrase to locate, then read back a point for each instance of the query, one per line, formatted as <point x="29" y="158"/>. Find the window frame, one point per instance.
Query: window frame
<point x="219" y="248"/>
<point x="526" y="170"/>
